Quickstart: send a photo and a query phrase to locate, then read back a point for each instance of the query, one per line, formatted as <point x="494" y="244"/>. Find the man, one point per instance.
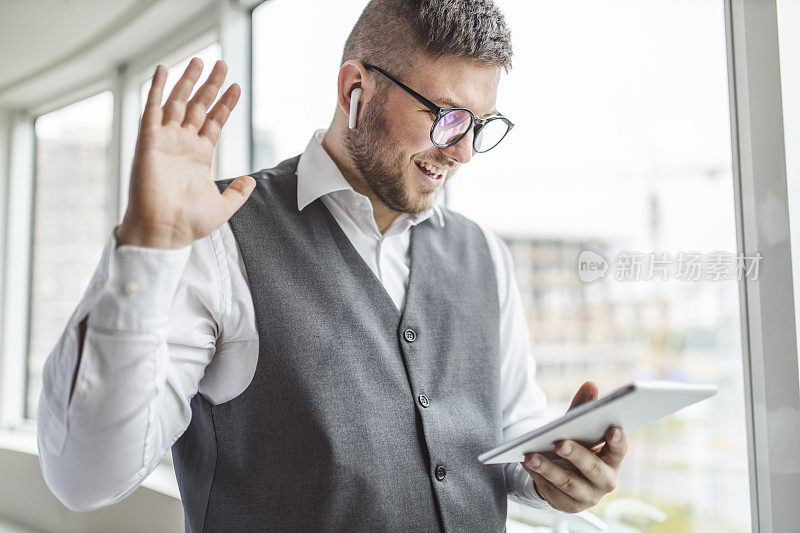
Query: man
<point x="337" y="354"/>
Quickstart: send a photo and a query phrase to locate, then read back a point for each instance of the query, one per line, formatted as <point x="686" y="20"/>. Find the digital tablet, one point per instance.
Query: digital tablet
<point x="629" y="407"/>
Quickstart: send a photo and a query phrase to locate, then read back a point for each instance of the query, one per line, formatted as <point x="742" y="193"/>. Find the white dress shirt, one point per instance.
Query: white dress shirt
<point x="164" y="325"/>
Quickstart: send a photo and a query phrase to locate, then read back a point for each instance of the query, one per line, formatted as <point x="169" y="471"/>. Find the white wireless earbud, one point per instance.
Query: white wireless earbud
<point x="354" y="97"/>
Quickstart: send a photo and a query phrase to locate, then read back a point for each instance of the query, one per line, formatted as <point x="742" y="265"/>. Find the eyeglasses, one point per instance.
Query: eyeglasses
<point x="453" y="123"/>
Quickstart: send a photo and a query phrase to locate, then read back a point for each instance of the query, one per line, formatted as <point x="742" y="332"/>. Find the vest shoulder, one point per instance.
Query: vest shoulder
<point x="456" y="220"/>
<point x="462" y="228"/>
<point x="283" y="171"/>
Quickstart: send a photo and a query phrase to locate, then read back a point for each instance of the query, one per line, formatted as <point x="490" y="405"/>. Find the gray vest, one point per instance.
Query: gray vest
<point x="359" y="417"/>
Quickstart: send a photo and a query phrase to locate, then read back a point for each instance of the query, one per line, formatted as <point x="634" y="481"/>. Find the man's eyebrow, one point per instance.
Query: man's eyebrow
<point x="449" y="102"/>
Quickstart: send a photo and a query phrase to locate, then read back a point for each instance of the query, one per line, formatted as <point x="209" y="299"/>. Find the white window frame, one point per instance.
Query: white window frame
<point x="769" y="344"/>
<point x="18" y="208"/>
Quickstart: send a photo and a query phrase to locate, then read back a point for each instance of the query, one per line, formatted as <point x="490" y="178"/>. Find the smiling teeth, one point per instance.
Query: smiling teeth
<point x="433" y="169"/>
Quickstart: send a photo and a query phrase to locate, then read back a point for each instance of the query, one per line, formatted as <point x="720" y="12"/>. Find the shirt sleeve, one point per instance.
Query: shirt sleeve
<point x="118" y="383"/>
<point x="524" y="404"/>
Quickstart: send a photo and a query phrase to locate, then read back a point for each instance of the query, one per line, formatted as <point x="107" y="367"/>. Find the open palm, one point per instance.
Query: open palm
<point x="173" y="200"/>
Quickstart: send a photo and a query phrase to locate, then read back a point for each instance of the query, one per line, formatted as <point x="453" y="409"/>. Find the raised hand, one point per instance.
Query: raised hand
<point x="173" y="200"/>
<point x="575" y="478"/>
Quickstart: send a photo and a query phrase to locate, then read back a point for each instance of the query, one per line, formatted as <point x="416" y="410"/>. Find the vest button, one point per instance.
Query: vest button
<point x="440" y="472"/>
<point x="423" y="400"/>
<point x="410" y="335"/>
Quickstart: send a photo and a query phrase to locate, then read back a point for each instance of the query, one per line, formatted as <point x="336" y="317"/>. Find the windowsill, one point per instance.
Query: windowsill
<point x="27" y="500"/>
<point x="23" y="440"/>
<point x="19" y="440"/>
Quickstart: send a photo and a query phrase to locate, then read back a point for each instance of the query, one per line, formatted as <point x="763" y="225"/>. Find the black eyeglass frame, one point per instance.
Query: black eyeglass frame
<point x="476" y="122"/>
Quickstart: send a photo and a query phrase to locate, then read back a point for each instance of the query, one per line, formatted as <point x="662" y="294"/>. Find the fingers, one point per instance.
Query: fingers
<point x="200" y="102"/>
<point x="219" y="114"/>
<point x="568" y="482"/>
<point x="175" y="107"/>
<point x="586" y="476"/>
<point x="616" y="447"/>
<point x="587" y="392"/>
<point x="235" y="195"/>
<point x="152" y="109"/>
<point x="590" y="465"/>
<point x="554" y="496"/>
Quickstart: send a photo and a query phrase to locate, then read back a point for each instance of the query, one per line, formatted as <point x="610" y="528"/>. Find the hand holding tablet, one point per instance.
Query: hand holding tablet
<point x="628" y="408"/>
<point x="590" y="441"/>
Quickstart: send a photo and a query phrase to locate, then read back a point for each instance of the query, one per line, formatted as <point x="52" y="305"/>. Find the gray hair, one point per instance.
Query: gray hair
<point x="390" y="32"/>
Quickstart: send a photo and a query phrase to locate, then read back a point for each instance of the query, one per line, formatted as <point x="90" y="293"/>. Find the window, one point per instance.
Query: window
<point x="788" y="22"/>
<point x="70" y="221"/>
<point x="295" y="93"/>
<point x="622" y="144"/>
<point x="71" y="211"/>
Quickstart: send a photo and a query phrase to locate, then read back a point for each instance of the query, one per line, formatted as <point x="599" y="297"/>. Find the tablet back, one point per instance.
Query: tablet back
<point x="629" y="407"/>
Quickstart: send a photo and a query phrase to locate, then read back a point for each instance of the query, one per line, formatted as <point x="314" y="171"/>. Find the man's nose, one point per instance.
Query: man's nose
<point x="462" y="150"/>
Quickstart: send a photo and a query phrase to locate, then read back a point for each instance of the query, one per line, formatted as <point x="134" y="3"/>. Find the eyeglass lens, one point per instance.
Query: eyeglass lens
<point x="490" y="135"/>
<point x="451" y="126"/>
<point x="454" y="124"/>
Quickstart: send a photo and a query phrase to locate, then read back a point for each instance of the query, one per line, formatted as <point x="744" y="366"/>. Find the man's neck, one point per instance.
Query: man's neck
<point x="333" y="144"/>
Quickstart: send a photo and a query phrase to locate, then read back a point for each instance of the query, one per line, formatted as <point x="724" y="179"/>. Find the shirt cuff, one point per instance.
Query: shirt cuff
<point x="140" y="286"/>
<point x="521" y="488"/>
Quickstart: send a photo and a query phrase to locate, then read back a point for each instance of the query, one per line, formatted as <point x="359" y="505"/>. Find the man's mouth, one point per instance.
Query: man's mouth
<point x="431" y="170"/>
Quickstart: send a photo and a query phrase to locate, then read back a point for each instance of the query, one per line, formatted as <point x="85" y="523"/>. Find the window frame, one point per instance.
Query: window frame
<point x="769" y="343"/>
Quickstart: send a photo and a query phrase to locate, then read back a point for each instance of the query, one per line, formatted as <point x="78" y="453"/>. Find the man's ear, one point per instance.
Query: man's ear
<point x="353" y="75"/>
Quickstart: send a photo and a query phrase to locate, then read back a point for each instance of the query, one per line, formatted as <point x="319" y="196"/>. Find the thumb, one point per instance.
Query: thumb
<point x="235" y="195"/>
<point x="586" y="393"/>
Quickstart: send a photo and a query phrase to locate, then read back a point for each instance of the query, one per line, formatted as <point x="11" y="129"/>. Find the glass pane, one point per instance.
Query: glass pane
<point x="70" y="220"/>
<point x="286" y="113"/>
<point x="789" y="45"/>
<point x="622" y="144"/>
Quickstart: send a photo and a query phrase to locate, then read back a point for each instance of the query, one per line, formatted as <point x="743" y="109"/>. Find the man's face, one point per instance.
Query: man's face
<point x="391" y="145"/>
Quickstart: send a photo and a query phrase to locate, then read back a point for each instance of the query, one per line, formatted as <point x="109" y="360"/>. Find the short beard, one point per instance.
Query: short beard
<point x="369" y="146"/>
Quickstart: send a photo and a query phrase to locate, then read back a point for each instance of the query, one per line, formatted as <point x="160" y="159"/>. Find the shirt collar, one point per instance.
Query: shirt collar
<point x="318" y="175"/>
